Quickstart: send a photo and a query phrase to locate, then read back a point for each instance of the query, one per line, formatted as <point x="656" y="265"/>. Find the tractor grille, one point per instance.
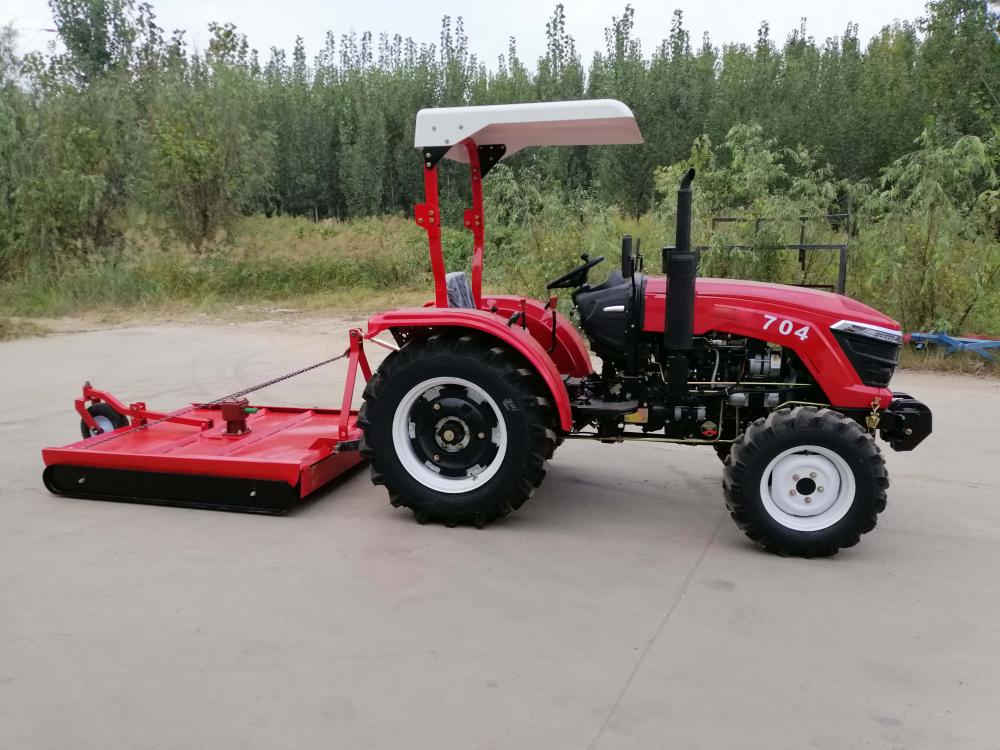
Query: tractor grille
<point x="874" y="360"/>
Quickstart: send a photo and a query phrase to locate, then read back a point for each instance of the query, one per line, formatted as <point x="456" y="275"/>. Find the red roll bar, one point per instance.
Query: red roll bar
<point x="428" y="216"/>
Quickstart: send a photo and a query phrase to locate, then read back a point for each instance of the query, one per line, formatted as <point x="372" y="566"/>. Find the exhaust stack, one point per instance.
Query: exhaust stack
<point x="680" y="265"/>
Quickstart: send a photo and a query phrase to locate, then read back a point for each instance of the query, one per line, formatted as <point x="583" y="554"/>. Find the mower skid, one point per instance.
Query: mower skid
<point x="184" y="490"/>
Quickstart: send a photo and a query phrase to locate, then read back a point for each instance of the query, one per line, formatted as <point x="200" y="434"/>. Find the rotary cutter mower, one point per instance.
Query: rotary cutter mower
<point x="226" y="454"/>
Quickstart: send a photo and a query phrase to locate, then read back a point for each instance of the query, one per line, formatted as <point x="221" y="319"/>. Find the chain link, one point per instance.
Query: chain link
<point x="229" y="397"/>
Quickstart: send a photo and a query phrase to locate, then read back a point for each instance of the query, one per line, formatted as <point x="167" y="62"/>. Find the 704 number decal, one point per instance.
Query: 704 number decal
<point x="786" y="327"/>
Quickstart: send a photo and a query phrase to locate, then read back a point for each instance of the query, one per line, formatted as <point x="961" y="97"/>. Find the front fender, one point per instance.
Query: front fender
<point x="430" y="319"/>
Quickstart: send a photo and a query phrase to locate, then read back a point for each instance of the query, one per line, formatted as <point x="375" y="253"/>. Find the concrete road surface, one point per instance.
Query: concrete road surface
<point x="621" y="608"/>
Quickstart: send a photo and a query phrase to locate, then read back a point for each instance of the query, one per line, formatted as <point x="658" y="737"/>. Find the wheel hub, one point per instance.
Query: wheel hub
<point x="452" y="434"/>
<point x="104" y="423"/>
<point x="449" y="434"/>
<point x="808" y="488"/>
<point x="805" y="484"/>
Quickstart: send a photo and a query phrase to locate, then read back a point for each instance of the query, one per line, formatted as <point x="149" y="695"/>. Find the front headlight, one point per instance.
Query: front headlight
<point x="887" y="335"/>
<point x="872" y="350"/>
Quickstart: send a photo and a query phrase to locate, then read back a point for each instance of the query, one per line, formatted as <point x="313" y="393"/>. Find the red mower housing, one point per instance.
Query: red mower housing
<point x="225" y="455"/>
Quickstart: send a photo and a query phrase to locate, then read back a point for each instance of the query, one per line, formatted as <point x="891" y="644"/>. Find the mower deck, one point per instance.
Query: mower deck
<point x="287" y="454"/>
<point x="223" y="455"/>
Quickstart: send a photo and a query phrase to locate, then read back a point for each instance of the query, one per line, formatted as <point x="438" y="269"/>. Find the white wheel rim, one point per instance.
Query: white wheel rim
<point x="104" y="423"/>
<point x="423" y="470"/>
<point x="807" y="488"/>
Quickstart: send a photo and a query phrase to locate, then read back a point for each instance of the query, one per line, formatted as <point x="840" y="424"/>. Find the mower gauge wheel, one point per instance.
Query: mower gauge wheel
<point x="107" y="419"/>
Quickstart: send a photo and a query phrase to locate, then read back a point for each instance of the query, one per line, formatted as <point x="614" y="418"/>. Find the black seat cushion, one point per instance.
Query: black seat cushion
<point x="459" y="290"/>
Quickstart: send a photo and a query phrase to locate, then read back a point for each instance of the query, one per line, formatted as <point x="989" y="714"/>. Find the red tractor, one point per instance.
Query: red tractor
<point x="788" y="385"/>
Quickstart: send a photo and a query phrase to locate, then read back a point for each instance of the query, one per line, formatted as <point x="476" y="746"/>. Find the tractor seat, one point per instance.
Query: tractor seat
<point x="459" y="290"/>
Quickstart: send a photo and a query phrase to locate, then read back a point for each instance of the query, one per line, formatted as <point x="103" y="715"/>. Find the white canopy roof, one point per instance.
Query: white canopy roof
<point x="517" y="126"/>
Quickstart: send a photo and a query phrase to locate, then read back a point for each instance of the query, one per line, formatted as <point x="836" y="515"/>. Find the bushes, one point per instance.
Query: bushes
<point x="931" y="239"/>
<point x="125" y="135"/>
<point x="283" y="263"/>
<point x="924" y="243"/>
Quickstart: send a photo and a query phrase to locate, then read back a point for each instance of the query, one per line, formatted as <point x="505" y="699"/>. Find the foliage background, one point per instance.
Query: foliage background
<point x="135" y="170"/>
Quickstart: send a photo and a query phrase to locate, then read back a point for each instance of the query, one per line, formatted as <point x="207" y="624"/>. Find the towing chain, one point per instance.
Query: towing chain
<point x="228" y="397"/>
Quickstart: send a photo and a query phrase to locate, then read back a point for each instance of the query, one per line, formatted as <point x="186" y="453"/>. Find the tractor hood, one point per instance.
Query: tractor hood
<point x="806" y="304"/>
<point x="815" y="300"/>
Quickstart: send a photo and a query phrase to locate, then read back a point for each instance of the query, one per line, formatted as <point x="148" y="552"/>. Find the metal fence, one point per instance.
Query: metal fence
<point x="802" y="246"/>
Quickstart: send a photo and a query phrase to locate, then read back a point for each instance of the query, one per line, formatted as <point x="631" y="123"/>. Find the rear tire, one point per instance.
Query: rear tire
<point x="805" y="482"/>
<point x="457" y="428"/>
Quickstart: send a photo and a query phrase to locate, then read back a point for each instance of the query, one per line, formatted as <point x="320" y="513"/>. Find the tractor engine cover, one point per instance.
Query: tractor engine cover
<point x="605" y="311"/>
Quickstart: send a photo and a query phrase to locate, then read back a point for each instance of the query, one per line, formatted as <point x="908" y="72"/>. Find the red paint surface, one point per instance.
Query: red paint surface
<point x="520" y="339"/>
<point x="571" y="355"/>
<point x="739" y="307"/>
<point x="475" y="220"/>
<point x="428" y="216"/>
<point x="284" y="444"/>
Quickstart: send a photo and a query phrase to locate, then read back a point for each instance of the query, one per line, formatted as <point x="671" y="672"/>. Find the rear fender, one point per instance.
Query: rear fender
<point x="433" y="319"/>
<point x="570" y="353"/>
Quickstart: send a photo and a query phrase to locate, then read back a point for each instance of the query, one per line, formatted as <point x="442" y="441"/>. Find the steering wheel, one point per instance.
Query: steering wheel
<point x="578" y="276"/>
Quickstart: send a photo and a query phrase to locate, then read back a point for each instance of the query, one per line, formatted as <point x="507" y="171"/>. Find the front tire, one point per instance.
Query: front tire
<point x="458" y="429"/>
<point x="805" y="482"/>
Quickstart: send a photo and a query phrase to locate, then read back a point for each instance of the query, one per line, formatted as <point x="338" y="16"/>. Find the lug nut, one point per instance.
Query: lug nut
<point x="481" y="435"/>
<point x="437" y="407"/>
<point x="808" y="499"/>
<point x="793" y="493"/>
<point x="795" y="477"/>
<point x="819" y="489"/>
<point x="436" y="457"/>
<point x="812" y="474"/>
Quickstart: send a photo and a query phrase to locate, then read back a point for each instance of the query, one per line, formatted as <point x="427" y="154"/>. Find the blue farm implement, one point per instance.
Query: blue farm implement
<point x="953" y="344"/>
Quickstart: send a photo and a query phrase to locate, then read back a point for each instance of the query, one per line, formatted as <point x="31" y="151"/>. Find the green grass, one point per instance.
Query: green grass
<point x="276" y="261"/>
<point x="349" y="267"/>
<point x="20" y="329"/>
<point x="934" y="360"/>
<point x="283" y="261"/>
